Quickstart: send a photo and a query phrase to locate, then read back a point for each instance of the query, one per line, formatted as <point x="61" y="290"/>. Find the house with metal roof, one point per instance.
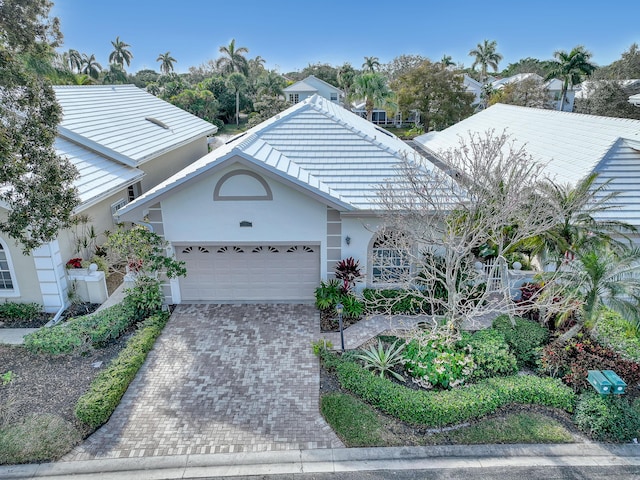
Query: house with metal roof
<point x="570" y="145"/>
<point x="123" y="141"/>
<point x="306" y="88"/>
<point x="266" y="216"/>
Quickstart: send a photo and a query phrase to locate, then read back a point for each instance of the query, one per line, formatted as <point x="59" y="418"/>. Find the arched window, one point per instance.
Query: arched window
<point x="390" y="258"/>
<point x="6" y="277"/>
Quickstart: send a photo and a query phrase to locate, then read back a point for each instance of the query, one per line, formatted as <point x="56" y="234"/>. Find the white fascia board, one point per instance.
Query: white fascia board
<point x="98" y="198"/>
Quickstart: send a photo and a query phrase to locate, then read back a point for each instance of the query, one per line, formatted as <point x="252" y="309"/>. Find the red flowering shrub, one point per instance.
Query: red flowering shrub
<point x="571" y="361"/>
<point x="74" y="263"/>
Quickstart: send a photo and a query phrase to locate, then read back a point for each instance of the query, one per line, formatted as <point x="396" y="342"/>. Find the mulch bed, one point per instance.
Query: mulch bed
<point x="75" y="310"/>
<point x="49" y="384"/>
<point x="329" y="321"/>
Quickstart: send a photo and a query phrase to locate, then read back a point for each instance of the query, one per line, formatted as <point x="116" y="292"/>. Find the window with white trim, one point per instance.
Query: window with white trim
<point x="294" y="97"/>
<point x="6" y="279"/>
<point x="117" y="206"/>
<point x="390" y="259"/>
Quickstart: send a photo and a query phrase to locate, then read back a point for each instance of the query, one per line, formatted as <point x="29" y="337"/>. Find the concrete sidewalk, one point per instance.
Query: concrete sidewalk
<point x="334" y="460"/>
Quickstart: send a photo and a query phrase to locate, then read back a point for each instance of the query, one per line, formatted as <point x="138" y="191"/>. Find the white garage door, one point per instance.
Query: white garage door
<point x="249" y="272"/>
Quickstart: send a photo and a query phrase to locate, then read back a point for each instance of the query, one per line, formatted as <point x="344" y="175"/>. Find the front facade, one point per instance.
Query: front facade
<point x="267" y="216"/>
<point x="119" y="153"/>
<point x="310" y="86"/>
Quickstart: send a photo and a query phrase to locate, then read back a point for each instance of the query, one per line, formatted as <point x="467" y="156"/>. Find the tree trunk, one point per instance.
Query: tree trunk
<point x="237" y="107"/>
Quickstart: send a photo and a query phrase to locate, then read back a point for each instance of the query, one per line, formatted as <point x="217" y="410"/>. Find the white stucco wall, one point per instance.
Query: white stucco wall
<point x="361" y="231"/>
<point x="24" y="275"/>
<point x="191" y="215"/>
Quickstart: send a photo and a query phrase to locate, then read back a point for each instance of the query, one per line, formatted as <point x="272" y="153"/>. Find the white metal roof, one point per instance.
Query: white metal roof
<point x="315" y="144"/>
<point x="570" y="144"/>
<point x="116" y="117"/>
<point x="99" y="176"/>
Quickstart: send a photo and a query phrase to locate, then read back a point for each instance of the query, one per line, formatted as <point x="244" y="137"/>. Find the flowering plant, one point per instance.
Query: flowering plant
<point x="74" y="263"/>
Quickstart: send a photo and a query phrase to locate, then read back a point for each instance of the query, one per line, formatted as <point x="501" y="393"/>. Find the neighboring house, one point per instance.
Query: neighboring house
<point x="474" y="87"/>
<point x="555" y="92"/>
<point x="379" y="115"/>
<point x="570" y="145"/>
<point x="266" y="216"/>
<point x="310" y="86"/>
<point x="635" y="99"/>
<point x="586" y="88"/>
<point x="123" y="141"/>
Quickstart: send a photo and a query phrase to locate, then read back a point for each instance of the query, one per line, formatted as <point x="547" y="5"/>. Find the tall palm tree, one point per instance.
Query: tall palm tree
<point x="447" y="61"/>
<point x="233" y="59"/>
<point x="166" y="62"/>
<point x="580" y="210"/>
<point x="121" y="53"/>
<point x="486" y="56"/>
<point x="90" y="66"/>
<point x="346" y="78"/>
<point x="571" y="68"/>
<point x="373" y="88"/>
<point x="73" y="60"/>
<point x="371" y="64"/>
<point x="236" y="82"/>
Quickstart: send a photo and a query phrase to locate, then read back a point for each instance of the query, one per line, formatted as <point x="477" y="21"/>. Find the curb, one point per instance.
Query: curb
<point x="333" y="460"/>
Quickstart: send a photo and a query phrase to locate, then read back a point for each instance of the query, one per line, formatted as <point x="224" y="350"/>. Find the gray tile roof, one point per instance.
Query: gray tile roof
<point x="115" y="117"/>
<point x="316" y="144"/>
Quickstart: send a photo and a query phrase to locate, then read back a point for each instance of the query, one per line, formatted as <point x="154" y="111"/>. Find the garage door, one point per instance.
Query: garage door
<point x="249" y="272"/>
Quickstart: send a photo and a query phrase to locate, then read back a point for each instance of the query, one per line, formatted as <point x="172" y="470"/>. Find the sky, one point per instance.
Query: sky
<point x="291" y="34"/>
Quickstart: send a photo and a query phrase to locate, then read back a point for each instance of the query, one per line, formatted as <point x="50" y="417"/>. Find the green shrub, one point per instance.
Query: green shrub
<point x="328" y="294"/>
<point x="440" y="408"/>
<point x="433" y="362"/>
<point x="353" y="420"/>
<point x="144" y="299"/>
<point x="396" y="301"/>
<point x="96" y="406"/>
<point x="20" y="311"/>
<point x="613" y="331"/>
<point x="525" y="339"/>
<point x="81" y="334"/>
<point x="611" y="418"/>
<point x="490" y="353"/>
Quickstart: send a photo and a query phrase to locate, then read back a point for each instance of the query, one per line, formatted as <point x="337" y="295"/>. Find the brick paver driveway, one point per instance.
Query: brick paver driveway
<point x="222" y="378"/>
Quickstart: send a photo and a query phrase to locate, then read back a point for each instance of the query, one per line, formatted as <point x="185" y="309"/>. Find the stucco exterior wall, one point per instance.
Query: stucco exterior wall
<point x="24" y="273"/>
<point x="162" y="167"/>
<point x="192" y="215"/>
<point x="361" y="231"/>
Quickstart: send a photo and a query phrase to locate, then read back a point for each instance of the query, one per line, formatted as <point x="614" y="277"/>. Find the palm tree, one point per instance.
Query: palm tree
<point x="373" y="88"/>
<point x="73" y="60"/>
<point x="371" y="64"/>
<point x="446" y="61"/>
<point x="578" y="224"/>
<point x="90" y="66"/>
<point x="571" y="68"/>
<point x="115" y="75"/>
<point x="166" y="62"/>
<point x="601" y="277"/>
<point x="121" y="53"/>
<point x="346" y="79"/>
<point x="271" y="84"/>
<point x="236" y="82"/>
<point x="486" y="56"/>
<point x="234" y="60"/>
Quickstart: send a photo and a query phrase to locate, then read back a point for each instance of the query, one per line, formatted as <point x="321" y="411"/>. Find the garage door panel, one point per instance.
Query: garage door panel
<point x="245" y="272"/>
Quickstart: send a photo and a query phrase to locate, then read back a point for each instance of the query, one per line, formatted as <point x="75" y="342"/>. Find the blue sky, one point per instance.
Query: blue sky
<point x="290" y="34"/>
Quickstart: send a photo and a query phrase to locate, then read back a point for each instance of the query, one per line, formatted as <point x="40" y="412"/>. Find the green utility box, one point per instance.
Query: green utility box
<point x="617" y="384"/>
<point x="599" y="382"/>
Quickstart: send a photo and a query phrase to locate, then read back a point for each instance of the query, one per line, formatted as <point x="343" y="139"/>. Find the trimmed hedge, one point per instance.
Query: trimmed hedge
<point x="438" y="409"/>
<point x="525" y="339"/>
<point x="610" y="418"/>
<point x="96" y="406"/>
<point x="81" y="334"/>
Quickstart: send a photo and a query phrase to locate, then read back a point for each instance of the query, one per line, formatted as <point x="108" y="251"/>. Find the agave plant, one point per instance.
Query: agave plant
<point x="382" y="360"/>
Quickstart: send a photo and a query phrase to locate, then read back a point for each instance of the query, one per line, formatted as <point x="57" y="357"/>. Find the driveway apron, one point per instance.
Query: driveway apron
<point x="221" y="378"/>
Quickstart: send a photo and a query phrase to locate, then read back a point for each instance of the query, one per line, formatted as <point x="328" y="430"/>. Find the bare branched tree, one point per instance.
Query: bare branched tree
<point x="437" y="220"/>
